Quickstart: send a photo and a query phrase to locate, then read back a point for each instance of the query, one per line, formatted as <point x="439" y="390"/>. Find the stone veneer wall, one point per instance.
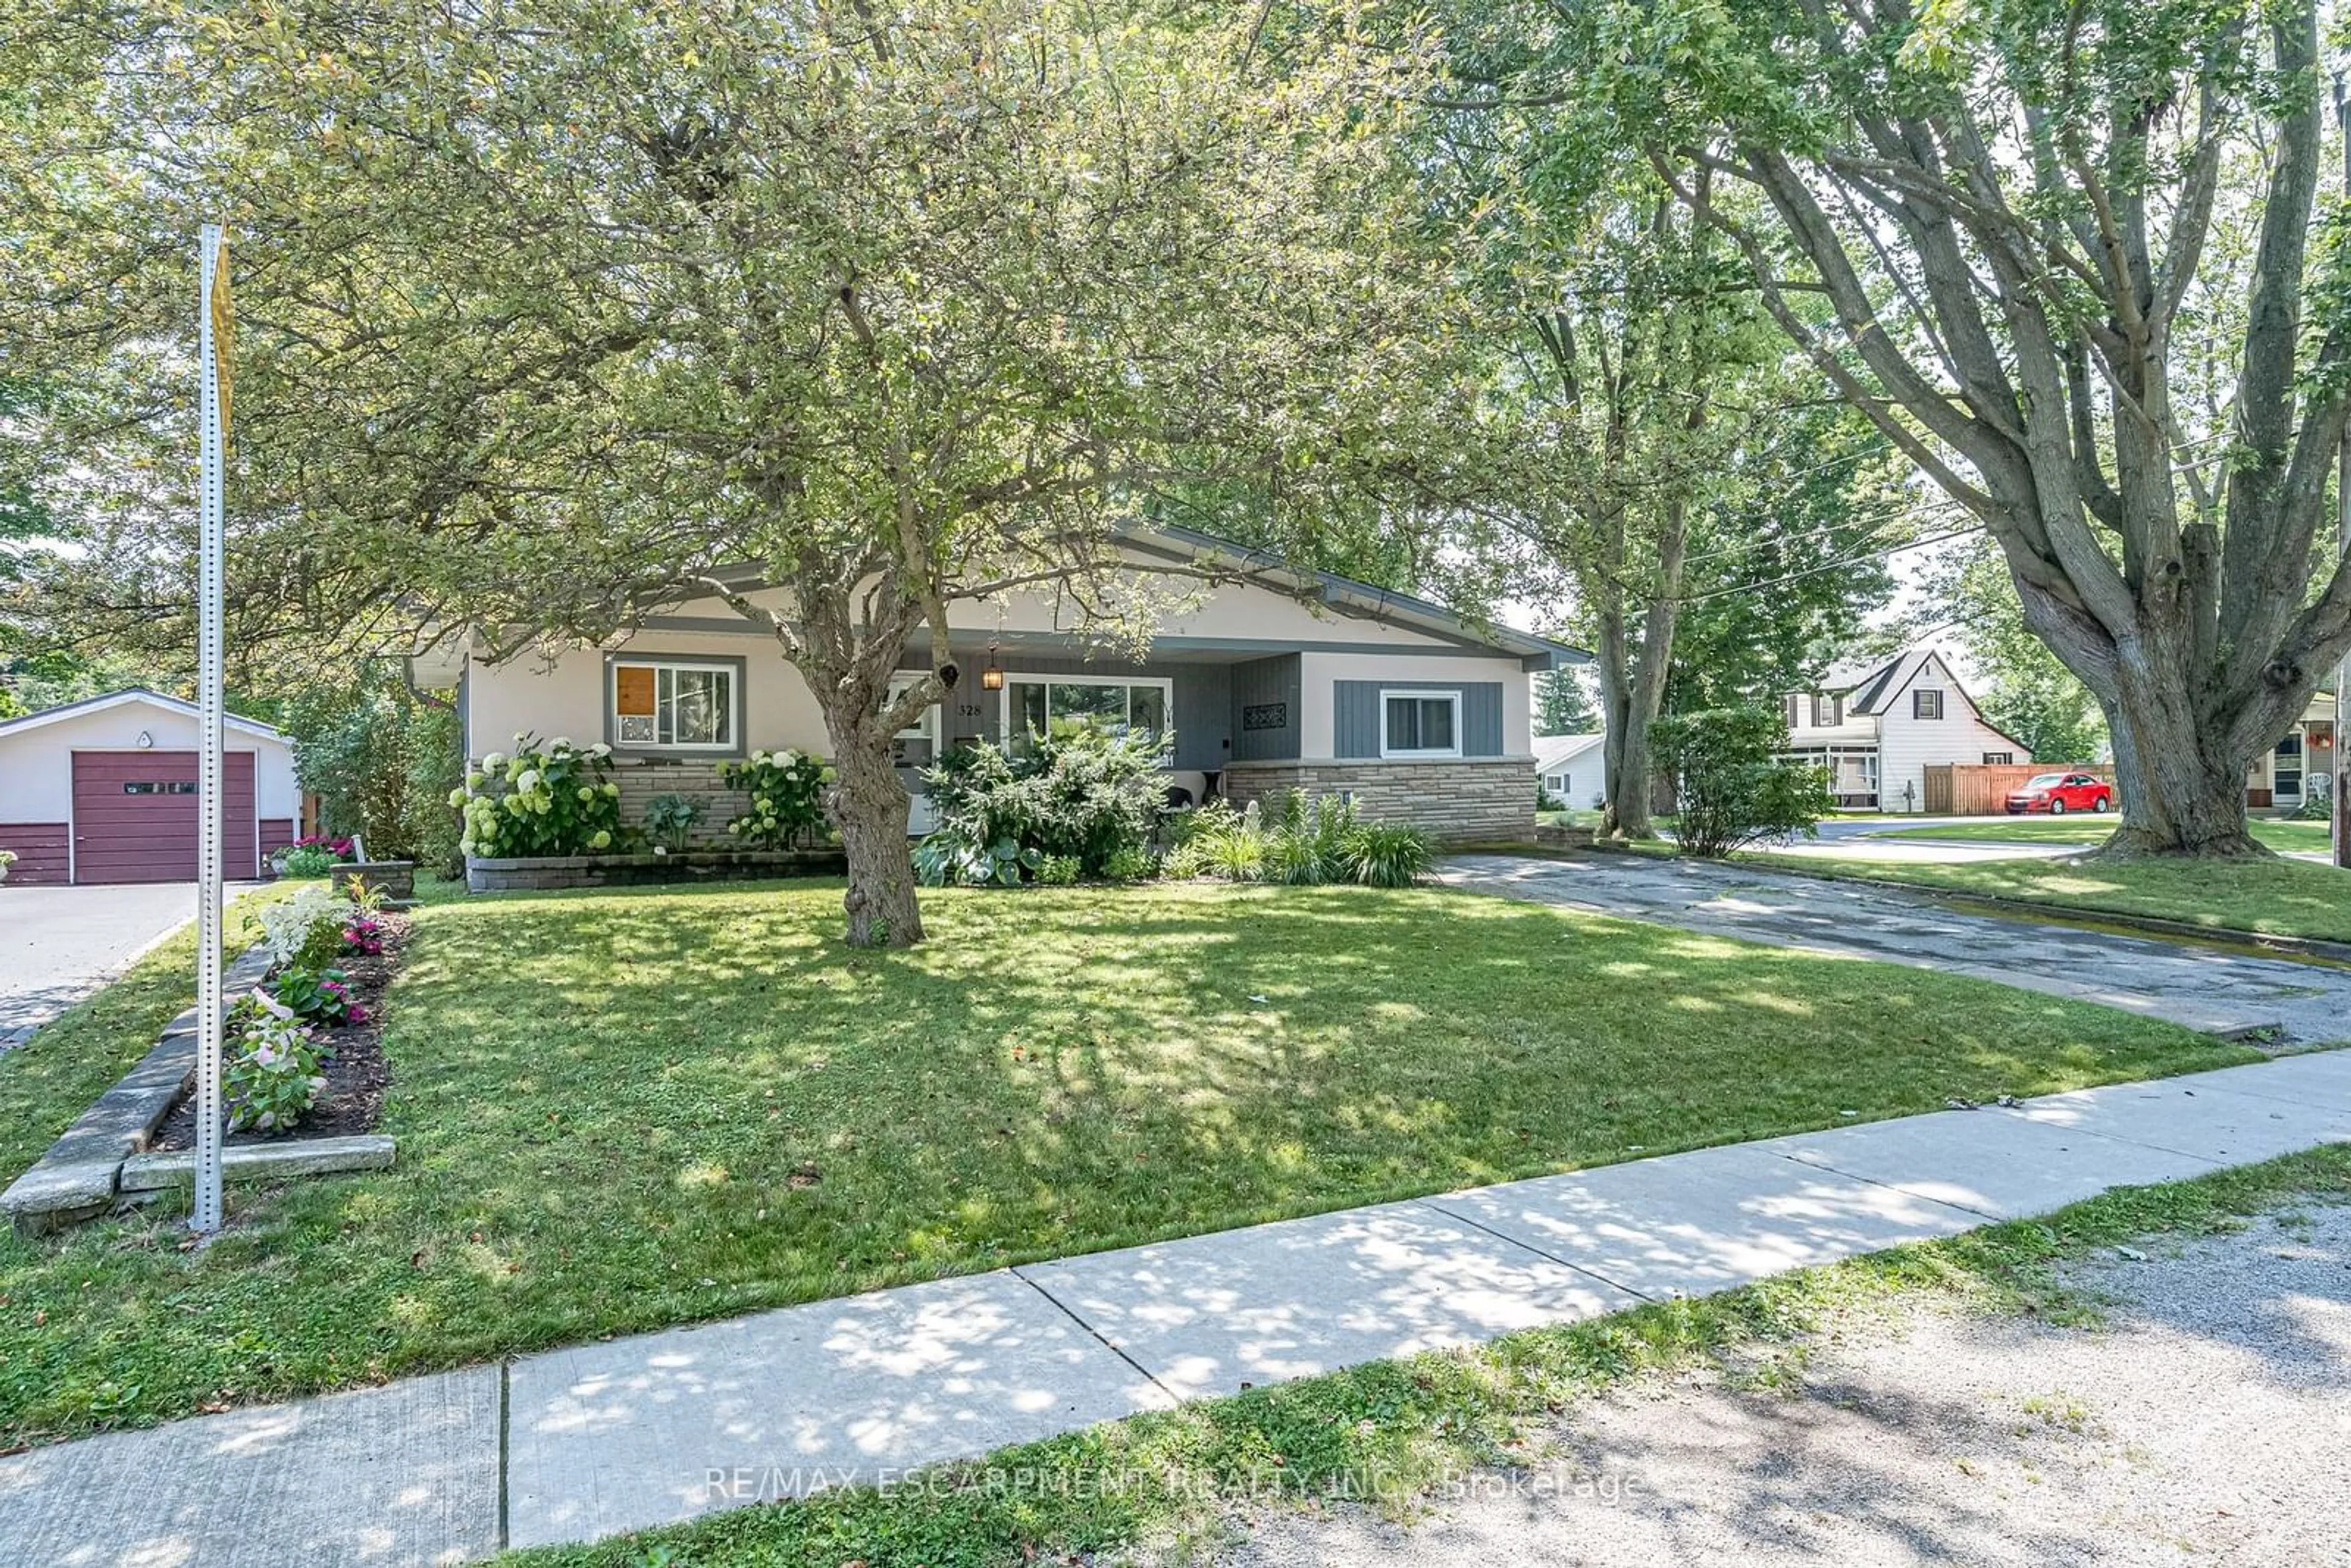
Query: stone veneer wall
<point x="640" y="782"/>
<point x="1456" y="801"/>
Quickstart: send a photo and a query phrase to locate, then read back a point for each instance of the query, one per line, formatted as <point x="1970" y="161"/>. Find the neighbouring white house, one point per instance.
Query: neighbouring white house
<point x="2301" y="767"/>
<point x="105" y="792"/>
<point x="1878" y="726"/>
<point x="1570" y="767"/>
<point x="1280" y="677"/>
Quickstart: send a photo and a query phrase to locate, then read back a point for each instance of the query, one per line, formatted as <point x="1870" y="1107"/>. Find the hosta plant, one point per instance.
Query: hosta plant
<point x="555" y="800"/>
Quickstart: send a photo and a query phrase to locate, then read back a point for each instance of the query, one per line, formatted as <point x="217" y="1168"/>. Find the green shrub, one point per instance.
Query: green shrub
<point x="944" y="860"/>
<point x="1299" y="842"/>
<point x="308" y="862"/>
<point x="1131" y="865"/>
<point x="787" y="790"/>
<point x="316" y="996"/>
<point x="1388" y="855"/>
<point x="1078" y="791"/>
<point x="1734" y="788"/>
<point x="1058" y="871"/>
<point x="559" y="800"/>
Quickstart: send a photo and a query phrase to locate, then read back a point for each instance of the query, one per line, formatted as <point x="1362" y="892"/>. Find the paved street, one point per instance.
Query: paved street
<point x="2204" y="1419"/>
<point x="2207" y="989"/>
<point x="59" y="943"/>
<point x="578" y="1443"/>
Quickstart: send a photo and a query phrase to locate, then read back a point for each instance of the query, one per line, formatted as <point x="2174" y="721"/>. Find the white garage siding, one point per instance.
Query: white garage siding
<point x="37" y="771"/>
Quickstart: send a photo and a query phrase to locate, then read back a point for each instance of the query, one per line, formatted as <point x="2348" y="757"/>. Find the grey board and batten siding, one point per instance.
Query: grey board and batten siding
<point x="1264" y="703"/>
<point x="1355" y="715"/>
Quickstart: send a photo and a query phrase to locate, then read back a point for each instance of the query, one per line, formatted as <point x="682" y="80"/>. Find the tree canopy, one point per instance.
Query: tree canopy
<point x="553" y="312"/>
<point x="2082" y="272"/>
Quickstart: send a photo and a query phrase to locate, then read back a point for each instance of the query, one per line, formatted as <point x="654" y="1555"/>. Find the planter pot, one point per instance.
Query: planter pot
<point x="396" y="880"/>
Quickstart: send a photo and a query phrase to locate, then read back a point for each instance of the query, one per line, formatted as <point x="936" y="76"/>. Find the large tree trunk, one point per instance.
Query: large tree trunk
<point x="2182" y="792"/>
<point x="1633" y="685"/>
<point x="871" y="810"/>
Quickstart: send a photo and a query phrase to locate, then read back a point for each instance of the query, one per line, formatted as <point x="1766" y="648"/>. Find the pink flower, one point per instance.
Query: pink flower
<point x="357" y="1013"/>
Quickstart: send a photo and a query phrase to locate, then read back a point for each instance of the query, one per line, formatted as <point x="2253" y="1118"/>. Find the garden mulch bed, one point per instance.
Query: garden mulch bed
<point x="355" y="1078"/>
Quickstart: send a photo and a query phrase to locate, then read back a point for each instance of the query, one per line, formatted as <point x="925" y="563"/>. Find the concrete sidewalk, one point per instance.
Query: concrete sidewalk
<point x="622" y="1434"/>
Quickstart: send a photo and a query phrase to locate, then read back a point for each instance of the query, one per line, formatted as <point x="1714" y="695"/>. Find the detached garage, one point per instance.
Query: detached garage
<point x="105" y="791"/>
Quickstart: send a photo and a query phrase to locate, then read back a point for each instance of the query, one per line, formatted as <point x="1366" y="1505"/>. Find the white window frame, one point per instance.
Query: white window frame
<point x="1031" y="677"/>
<point x="1419" y="694"/>
<point x="1918" y="696"/>
<point x="734" y="673"/>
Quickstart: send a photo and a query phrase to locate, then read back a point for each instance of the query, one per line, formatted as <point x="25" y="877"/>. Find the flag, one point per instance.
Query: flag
<point x="224" y="331"/>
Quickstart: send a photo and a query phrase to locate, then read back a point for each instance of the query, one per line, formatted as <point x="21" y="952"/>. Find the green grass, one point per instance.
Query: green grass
<point x="1389" y="1432"/>
<point x="52" y="1079"/>
<point x="620" y="1111"/>
<point x="2276" y="832"/>
<point x="2271" y="898"/>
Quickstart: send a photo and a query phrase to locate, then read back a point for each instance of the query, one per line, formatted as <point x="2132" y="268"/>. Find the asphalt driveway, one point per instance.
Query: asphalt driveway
<point x="2207" y="989"/>
<point x="59" y="943"/>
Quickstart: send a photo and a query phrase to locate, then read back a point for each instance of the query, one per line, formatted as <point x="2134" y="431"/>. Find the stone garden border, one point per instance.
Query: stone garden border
<point x="102" y="1158"/>
<point x="543" y="871"/>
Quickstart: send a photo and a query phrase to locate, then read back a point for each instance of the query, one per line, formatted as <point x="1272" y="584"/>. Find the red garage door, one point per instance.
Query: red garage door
<point x="135" y="816"/>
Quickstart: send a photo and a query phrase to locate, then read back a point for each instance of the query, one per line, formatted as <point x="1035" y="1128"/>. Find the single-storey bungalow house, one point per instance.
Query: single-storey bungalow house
<point x="1570" y="767"/>
<point x="2300" y="767"/>
<point x="105" y="792"/>
<point x="1878" y="726"/>
<point x="1267" y="678"/>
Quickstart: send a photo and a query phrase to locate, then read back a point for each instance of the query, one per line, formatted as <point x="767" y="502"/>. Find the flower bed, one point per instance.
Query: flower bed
<point x="540" y="872"/>
<point x="356" y="1075"/>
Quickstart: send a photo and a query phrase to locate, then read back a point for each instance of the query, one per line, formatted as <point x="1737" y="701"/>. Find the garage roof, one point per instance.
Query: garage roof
<point x="135" y="695"/>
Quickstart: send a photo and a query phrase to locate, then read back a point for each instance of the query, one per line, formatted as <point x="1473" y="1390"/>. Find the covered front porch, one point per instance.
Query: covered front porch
<point x="1853" y="772"/>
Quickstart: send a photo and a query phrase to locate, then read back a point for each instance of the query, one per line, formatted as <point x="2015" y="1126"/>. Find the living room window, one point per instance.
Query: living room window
<point x="1034" y="704"/>
<point x="1420" y="723"/>
<point x="674" y="705"/>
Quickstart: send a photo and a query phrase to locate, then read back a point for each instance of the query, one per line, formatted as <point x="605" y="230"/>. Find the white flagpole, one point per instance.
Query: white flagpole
<point x="206" y="1217"/>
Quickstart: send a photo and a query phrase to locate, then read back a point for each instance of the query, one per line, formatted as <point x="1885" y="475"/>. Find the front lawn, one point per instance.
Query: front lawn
<point x="2278" y="833"/>
<point x="2274" y="897"/>
<point x="620" y="1111"/>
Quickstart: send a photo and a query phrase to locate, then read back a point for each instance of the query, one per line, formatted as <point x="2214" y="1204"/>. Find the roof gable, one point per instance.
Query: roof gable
<point x="134" y="696"/>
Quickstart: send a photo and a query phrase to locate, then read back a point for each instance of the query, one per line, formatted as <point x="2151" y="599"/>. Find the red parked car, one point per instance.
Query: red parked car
<point x="2058" y="793"/>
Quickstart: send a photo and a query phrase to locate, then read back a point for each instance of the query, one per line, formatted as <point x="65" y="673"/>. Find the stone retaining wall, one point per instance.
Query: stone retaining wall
<point x="544" y="872"/>
<point x="1456" y="801"/>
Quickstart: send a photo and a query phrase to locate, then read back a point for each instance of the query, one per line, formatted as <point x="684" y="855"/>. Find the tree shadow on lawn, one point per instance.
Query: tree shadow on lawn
<point x="711" y="1081"/>
<point x="619" y="1112"/>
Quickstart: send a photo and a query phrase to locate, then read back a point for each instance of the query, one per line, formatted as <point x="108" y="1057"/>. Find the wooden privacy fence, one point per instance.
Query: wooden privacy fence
<point x="1964" y="790"/>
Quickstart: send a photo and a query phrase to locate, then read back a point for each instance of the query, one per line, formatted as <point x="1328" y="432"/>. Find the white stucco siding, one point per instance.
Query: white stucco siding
<point x="563" y="693"/>
<point x="36" y="764"/>
<point x="1177" y="607"/>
